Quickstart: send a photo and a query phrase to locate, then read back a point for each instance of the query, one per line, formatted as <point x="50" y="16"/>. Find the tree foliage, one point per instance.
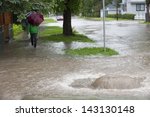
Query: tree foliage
<point x="60" y="5"/>
<point x="67" y="7"/>
<point x="117" y="5"/>
<point x="22" y="6"/>
<point x="92" y="7"/>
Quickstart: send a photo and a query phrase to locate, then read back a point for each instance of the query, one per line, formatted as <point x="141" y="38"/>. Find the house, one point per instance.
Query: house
<point x="136" y="7"/>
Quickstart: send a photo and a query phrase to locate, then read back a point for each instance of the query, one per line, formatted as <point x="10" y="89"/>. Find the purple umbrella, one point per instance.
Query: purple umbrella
<point x="35" y="18"/>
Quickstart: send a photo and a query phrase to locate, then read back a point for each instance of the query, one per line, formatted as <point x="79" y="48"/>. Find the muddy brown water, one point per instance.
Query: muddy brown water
<point x="47" y="73"/>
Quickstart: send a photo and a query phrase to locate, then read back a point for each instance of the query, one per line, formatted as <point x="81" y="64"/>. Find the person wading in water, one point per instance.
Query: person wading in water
<point x="33" y="29"/>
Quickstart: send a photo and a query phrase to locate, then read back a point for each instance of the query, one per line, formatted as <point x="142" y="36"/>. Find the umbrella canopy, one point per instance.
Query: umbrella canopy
<point x="35" y="18"/>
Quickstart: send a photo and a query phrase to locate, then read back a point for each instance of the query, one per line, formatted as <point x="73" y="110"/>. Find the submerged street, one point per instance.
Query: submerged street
<point x="47" y="73"/>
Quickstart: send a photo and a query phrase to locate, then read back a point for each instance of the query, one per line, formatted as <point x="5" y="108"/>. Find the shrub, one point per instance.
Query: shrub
<point x="17" y="29"/>
<point x="128" y="16"/>
<point x="122" y="16"/>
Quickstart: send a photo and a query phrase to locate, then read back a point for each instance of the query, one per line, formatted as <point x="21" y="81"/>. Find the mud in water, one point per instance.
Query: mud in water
<point x="109" y="82"/>
<point x="117" y="82"/>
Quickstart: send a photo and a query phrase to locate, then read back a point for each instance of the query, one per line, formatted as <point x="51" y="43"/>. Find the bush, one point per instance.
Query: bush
<point x="113" y="16"/>
<point x="122" y="16"/>
<point x="17" y="29"/>
<point x="128" y="16"/>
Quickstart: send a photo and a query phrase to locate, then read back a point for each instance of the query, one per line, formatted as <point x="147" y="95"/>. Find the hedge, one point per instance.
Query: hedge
<point x="122" y="16"/>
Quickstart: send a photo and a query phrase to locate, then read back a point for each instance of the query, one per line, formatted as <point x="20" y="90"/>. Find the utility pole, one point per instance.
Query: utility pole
<point x="104" y="35"/>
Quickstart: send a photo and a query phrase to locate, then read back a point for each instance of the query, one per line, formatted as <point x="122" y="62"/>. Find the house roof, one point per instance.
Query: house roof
<point x="137" y="1"/>
<point x="111" y="6"/>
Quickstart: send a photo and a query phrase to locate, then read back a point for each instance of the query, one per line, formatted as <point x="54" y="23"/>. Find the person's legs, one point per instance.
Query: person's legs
<point x="32" y="38"/>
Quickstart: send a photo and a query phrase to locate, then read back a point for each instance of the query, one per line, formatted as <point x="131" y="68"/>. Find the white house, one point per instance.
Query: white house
<point x="136" y="7"/>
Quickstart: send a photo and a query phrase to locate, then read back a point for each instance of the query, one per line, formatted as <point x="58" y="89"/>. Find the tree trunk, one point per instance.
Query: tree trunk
<point x="147" y="13"/>
<point x="67" y="28"/>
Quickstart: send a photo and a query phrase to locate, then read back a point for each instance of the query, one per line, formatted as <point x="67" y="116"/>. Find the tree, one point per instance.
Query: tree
<point x="147" y="11"/>
<point x="67" y="8"/>
<point x="92" y="7"/>
<point x="70" y="6"/>
<point x="87" y="8"/>
<point x="24" y="6"/>
<point x="96" y="8"/>
<point x="117" y="4"/>
<point x="12" y="5"/>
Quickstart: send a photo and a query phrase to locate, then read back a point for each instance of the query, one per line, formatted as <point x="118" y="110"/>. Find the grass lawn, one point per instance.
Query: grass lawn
<point x="48" y="20"/>
<point x="107" y="19"/>
<point x="91" y="51"/>
<point x="143" y="22"/>
<point x="54" y="33"/>
<point x="99" y="18"/>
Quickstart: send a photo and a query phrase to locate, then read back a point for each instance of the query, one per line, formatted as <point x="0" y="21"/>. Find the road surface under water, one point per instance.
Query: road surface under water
<point x="47" y="73"/>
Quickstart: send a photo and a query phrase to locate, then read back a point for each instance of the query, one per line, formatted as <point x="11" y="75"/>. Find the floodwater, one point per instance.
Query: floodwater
<point x="47" y="73"/>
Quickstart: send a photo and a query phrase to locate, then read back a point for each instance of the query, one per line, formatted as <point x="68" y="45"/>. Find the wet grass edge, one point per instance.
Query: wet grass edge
<point x="91" y="51"/>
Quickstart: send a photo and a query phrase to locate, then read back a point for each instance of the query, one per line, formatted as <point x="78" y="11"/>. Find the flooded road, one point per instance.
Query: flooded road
<point x="47" y="73"/>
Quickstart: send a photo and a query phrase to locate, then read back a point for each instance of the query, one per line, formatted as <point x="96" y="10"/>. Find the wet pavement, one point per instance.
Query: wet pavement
<point x="47" y="73"/>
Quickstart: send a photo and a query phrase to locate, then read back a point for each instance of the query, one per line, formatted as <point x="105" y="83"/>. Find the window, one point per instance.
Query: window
<point x="140" y="7"/>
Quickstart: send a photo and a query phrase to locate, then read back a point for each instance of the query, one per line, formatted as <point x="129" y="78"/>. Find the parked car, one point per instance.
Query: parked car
<point x="59" y="18"/>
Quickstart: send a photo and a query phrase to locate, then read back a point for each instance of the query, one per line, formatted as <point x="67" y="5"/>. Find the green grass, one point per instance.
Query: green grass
<point x="91" y="51"/>
<point x="48" y="20"/>
<point x="51" y="30"/>
<point x="115" y="19"/>
<point x="143" y="22"/>
<point x="54" y="33"/>
<point x="100" y="19"/>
